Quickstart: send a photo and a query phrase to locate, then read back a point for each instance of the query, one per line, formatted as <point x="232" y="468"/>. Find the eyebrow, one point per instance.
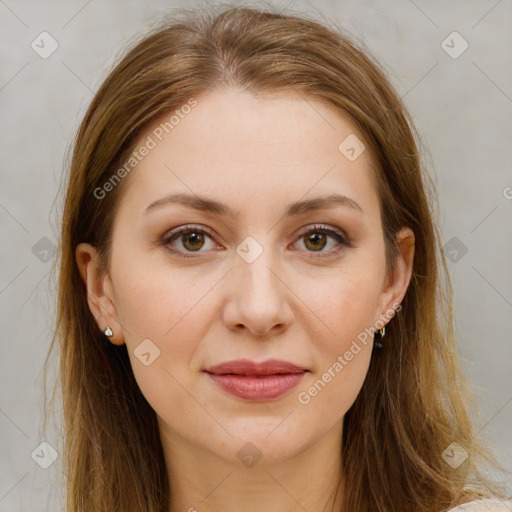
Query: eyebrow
<point x="297" y="208"/>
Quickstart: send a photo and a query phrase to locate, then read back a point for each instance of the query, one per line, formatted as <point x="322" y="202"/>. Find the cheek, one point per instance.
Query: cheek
<point x="343" y="342"/>
<point x="151" y="306"/>
<point x="343" y="351"/>
<point x="161" y="306"/>
<point x="346" y="305"/>
<point x="154" y="300"/>
<point x="334" y="391"/>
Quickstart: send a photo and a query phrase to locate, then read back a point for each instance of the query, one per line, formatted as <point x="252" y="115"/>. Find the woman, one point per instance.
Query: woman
<point x="251" y="313"/>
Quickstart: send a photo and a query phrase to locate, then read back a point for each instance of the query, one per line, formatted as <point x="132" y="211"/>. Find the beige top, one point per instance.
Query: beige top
<point x="485" y="505"/>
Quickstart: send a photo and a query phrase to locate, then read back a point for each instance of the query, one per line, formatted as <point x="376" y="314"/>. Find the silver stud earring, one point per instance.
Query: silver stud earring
<point x="108" y="332"/>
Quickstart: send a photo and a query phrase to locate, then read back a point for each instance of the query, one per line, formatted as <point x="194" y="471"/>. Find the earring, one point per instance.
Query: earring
<point x="108" y="332"/>
<point x="382" y="331"/>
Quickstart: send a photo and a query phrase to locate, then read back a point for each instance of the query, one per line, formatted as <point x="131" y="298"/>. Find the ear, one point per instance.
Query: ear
<point x="398" y="282"/>
<point x="99" y="291"/>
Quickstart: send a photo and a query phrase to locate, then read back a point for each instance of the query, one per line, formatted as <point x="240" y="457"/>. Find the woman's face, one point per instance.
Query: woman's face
<point x="283" y="259"/>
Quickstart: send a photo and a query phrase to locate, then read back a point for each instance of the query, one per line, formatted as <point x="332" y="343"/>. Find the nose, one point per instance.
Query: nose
<point x="257" y="298"/>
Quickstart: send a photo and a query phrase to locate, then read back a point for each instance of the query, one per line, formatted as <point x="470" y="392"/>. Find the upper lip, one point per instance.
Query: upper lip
<point x="247" y="367"/>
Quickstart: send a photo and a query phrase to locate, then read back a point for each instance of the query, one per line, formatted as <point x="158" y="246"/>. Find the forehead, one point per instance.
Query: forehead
<point x="245" y="150"/>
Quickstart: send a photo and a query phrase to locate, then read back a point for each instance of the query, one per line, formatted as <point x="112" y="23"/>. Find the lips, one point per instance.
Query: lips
<point x="256" y="381"/>
<point x="250" y="368"/>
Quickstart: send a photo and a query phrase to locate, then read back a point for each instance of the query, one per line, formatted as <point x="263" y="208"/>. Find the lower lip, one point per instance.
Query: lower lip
<point x="261" y="388"/>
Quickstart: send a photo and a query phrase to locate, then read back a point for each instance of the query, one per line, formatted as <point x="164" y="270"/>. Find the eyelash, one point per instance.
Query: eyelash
<point x="342" y="240"/>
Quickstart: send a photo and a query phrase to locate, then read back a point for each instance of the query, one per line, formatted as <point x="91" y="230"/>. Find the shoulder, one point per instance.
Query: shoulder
<point x="485" y="505"/>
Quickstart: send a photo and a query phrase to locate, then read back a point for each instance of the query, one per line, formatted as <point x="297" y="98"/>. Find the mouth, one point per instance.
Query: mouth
<point x="257" y="381"/>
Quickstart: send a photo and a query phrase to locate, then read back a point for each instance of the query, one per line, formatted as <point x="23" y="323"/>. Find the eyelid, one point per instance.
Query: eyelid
<point x="189" y="227"/>
<point x="324" y="228"/>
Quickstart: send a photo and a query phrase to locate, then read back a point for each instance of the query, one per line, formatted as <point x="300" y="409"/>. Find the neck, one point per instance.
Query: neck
<point x="202" y="481"/>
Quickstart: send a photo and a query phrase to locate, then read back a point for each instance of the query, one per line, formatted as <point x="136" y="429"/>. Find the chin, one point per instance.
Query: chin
<point x="261" y="444"/>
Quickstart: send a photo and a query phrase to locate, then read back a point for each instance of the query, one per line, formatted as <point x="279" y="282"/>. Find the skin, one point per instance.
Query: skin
<point x="256" y="155"/>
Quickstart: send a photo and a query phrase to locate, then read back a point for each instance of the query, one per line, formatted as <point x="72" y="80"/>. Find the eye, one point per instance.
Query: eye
<point x="316" y="239"/>
<point x="193" y="238"/>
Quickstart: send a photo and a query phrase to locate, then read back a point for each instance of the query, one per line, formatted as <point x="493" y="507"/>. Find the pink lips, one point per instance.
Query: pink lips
<point x="256" y="381"/>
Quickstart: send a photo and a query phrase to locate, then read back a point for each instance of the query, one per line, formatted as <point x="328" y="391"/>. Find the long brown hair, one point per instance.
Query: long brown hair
<point x="415" y="400"/>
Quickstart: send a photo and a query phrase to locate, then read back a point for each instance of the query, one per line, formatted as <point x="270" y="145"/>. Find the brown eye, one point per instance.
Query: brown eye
<point x="193" y="240"/>
<point x="188" y="239"/>
<point x="315" y="241"/>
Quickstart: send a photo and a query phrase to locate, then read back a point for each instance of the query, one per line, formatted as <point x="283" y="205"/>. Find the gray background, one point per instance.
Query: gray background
<point x="462" y="107"/>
